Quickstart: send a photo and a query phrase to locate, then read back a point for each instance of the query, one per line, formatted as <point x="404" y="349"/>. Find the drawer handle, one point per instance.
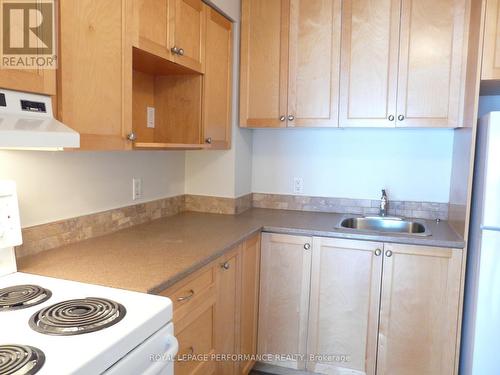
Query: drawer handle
<point x="187" y="297"/>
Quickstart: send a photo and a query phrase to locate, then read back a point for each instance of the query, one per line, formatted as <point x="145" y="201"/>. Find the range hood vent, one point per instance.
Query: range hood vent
<point x="27" y="122"/>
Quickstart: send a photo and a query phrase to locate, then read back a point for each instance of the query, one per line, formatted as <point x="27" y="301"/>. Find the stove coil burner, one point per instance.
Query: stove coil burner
<point x="22" y="296"/>
<point x="77" y="316"/>
<point x="20" y="360"/>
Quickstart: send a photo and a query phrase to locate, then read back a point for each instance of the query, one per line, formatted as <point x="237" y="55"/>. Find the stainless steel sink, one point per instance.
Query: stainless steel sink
<point x="385" y="225"/>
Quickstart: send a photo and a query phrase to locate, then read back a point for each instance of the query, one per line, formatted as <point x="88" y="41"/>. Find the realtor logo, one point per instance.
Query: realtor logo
<point x="28" y="34"/>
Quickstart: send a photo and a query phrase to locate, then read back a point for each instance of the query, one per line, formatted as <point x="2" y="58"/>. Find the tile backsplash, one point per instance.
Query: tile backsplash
<point x="418" y="210"/>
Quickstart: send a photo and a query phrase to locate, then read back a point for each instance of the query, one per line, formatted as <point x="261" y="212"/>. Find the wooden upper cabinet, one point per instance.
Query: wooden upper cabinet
<point x="431" y="67"/>
<point x="290" y="61"/>
<point x="284" y="296"/>
<point x="491" y="49"/>
<point x="39" y="81"/>
<point x="370" y="42"/>
<point x="151" y="23"/>
<point x="419" y="312"/>
<point x="95" y="72"/>
<point x="187" y="32"/>
<point x="344" y="307"/>
<point x="264" y="63"/>
<point x="173" y="30"/>
<point x="217" y="82"/>
<point x="314" y="63"/>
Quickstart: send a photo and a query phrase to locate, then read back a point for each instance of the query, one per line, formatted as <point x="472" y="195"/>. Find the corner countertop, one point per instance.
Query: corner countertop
<point x="153" y="256"/>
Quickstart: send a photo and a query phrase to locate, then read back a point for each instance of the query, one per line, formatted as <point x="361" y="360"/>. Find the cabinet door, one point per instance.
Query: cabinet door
<point x="314" y="63"/>
<point x="368" y="78"/>
<point x="151" y="23"/>
<point x="264" y="63"/>
<point x="284" y="297"/>
<point x="187" y="32"/>
<point x="344" y="309"/>
<point x="96" y="72"/>
<point x="217" y="100"/>
<point x="419" y="310"/>
<point x="40" y="81"/>
<point x="250" y="269"/>
<point x="227" y="310"/>
<point x="430" y="63"/>
<point x="491" y="50"/>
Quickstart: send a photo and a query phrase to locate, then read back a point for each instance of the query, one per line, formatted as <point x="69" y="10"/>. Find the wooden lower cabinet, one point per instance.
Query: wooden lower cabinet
<point x="284" y="297"/>
<point x="215" y="313"/>
<point x="374" y="308"/>
<point x="344" y="306"/>
<point x="419" y="310"/>
<point x="227" y="310"/>
<point x="249" y="301"/>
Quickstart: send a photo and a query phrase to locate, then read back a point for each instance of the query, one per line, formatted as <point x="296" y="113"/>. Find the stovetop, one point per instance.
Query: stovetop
<point x="114" y="322"/>
<point x="22" y="296"/>
<point x="20" y="360"/>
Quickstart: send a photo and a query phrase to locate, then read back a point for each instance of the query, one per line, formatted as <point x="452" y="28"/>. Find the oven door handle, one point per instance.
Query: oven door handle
<point x="158" y="367"/>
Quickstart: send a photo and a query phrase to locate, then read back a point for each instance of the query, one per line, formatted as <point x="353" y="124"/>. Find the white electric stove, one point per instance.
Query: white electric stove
<point x="50" y="326"/>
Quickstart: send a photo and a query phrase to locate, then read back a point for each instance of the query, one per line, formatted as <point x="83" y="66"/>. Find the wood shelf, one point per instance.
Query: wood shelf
<point x="169" y="146"/>
<point x="147" y="62"/>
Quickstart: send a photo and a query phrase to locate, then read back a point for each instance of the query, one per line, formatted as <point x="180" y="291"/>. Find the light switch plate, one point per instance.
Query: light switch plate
<point x="136" y="188"/>
<point x="298" y="185"/>
<point x="151" y="117"/>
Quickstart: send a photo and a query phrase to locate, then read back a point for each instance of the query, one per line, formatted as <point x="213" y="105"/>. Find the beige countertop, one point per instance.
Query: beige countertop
<point x="151" y="257"/>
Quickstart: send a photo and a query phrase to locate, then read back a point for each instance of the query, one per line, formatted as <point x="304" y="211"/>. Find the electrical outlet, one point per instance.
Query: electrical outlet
<point x="150" y="117"/>
<point x="298" y="185"/>
<point x="136" y="188"/>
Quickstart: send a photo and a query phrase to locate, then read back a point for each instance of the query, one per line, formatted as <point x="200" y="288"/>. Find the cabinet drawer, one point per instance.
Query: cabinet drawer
<point x="196" y="339"/>
<point x="189" y="294"/>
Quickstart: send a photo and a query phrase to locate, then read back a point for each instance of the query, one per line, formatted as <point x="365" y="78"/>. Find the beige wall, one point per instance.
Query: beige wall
<point x="56" y="185"/>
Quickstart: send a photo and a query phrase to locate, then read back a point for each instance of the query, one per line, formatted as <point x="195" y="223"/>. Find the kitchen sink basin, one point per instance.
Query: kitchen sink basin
<point x="385" y="225"/>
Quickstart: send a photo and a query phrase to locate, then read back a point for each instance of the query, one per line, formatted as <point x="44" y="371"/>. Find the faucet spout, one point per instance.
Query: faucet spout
<point x="384" y="202"/>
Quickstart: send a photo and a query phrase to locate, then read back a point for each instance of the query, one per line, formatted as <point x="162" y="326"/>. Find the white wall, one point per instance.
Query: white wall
<point x="354" y="163"/>
<point x="224" y="173"/>
<point x="488" y="103"/>
<point x="53" y="186"/>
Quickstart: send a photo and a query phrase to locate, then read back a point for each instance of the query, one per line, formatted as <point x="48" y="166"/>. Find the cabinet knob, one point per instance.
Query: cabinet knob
<point x="388" y="253"/>
<point x="282" y="118"/>
<point x="291" y="118"/>
<point x="378" y="252"/>
<point x="132" y="137"/>
<point x="307" y="246"/>
<point x="174" y="50"/>
<point x="401" y="117"/>
<point x="225" y="266"/>
<point x="208" y="140"/>
<point x="180" y="52"/>
<point x="391" y="118"/>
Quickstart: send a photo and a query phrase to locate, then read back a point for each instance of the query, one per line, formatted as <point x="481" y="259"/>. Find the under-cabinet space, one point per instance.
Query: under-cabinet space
<point x="167" y="111"/>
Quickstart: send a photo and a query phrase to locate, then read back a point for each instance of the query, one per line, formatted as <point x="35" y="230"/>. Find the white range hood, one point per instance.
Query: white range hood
<point x="27" y="122"/>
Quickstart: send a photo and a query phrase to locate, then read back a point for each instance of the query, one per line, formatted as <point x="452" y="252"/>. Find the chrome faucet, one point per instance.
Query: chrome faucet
<point x="383" y="204"/>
